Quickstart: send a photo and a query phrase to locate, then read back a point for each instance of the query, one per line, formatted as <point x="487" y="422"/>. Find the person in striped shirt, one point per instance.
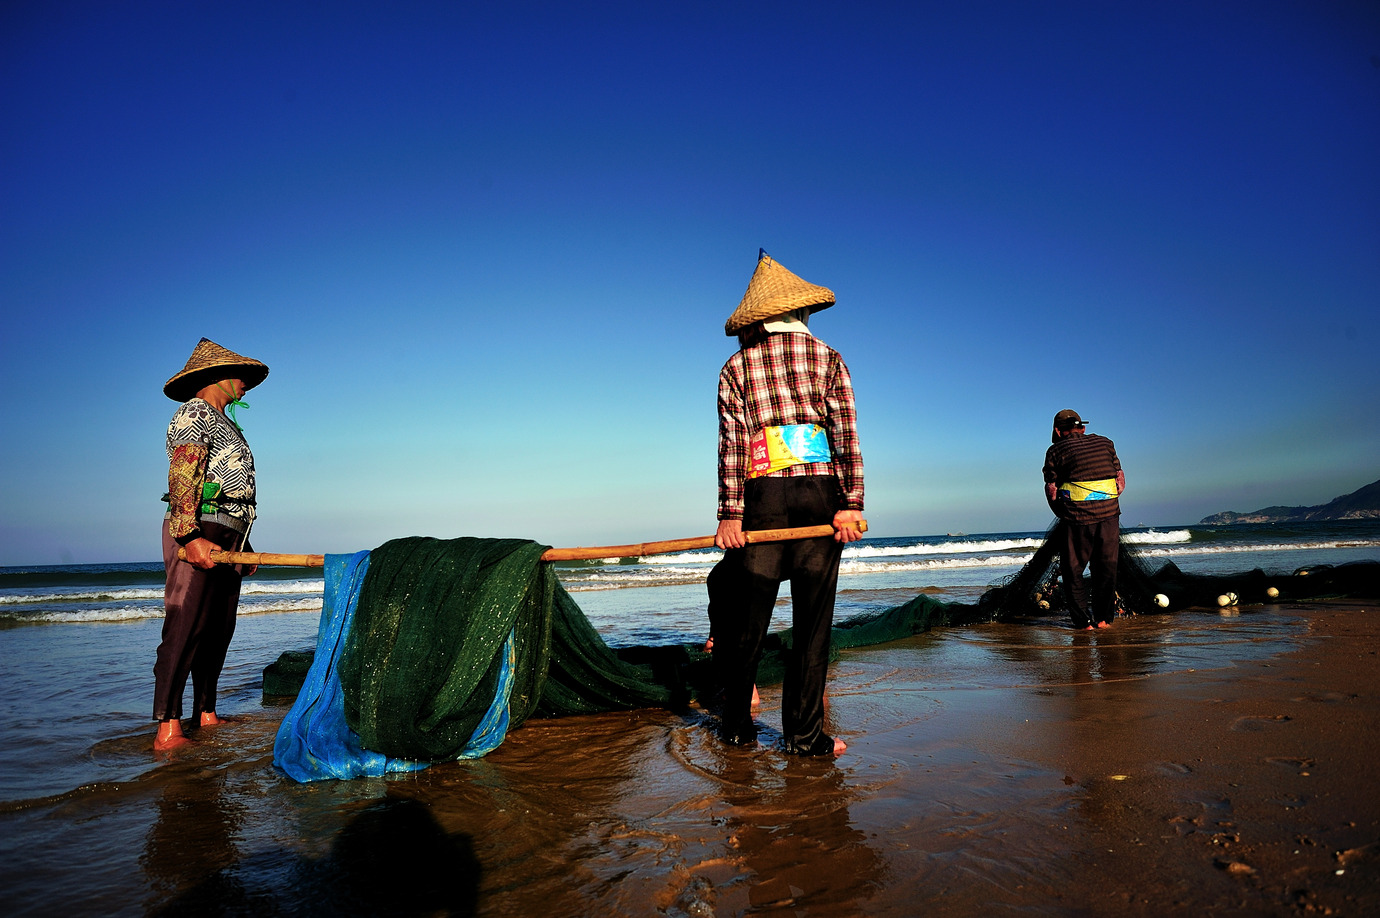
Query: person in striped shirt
<point x="788" y="456"/>
<point x="1083" y="481"/>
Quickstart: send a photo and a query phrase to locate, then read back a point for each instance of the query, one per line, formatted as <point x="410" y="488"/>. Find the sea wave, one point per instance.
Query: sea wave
<point x="80" y="596"/>
<point x="1155" y="537"/>
<point x="129" y="613"/>
<point x="932" y="564"/>
<point x="700" y="556"/>
<point x="1244" y="547"/>
<point x="636" y="576"/>
<point x="941" y="548"/>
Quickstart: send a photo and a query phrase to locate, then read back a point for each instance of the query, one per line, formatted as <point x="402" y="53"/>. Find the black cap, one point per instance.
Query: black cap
<point x="1068" y="419"/>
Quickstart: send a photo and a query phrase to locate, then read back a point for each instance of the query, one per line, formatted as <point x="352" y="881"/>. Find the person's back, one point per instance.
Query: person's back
<point x="1085" y="468"/>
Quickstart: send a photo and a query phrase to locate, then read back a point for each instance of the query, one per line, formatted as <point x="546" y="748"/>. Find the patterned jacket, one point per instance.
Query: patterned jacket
<point x="206" y="448"/>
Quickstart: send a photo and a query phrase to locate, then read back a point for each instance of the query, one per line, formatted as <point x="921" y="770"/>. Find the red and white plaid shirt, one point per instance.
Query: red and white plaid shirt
<point x="786" y="378"/>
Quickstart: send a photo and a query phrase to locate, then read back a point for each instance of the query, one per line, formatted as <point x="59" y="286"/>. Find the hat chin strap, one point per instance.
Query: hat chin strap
<point x="231" y="405"/>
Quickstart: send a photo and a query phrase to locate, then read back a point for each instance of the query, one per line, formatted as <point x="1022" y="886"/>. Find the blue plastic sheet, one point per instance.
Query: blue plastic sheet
<point x="314" y="742"/>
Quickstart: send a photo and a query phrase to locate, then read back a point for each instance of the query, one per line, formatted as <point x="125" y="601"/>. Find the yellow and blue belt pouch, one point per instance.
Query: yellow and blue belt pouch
<point x="1102" y="489"/>
<point x="776" y="448"/>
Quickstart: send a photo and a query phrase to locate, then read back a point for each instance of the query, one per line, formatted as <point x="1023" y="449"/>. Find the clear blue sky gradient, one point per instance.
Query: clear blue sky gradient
<point x="488" y="254"/>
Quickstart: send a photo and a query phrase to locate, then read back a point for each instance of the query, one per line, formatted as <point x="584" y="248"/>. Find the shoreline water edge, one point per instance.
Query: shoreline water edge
<point x="1211" y="759"/>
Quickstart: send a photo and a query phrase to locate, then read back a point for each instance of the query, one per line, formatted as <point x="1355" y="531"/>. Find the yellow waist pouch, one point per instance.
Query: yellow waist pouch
<point x="781" y="447"/>
<point x="1102" y="489"/>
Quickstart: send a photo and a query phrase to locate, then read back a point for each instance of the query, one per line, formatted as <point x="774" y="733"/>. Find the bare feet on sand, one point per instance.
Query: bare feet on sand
<point x="169" y="736"/>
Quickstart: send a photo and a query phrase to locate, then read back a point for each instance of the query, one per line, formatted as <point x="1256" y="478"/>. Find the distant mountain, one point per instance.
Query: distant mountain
<point x="1358" y="505"/>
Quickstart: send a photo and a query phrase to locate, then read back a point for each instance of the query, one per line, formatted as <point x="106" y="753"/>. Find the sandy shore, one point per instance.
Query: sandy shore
<point x="1186" y="763"/>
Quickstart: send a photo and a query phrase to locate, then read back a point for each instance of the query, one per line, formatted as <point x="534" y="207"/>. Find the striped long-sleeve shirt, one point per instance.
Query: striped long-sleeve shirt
<point x="1083" y="458"/>
<point x="786" y="378"/>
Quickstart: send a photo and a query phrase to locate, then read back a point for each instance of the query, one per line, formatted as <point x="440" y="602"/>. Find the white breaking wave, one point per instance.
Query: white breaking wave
<point x="134" y="594"/>
<point x="1239" y="548"/>
<point x="940" y="548"/>
<point x="634" y="576"/>
<point x="1154" y="537"/>
<point x="127" y="613"/>
<point x="282" y="586"/>
<point x="932" y="564"/>
<point x="77" y="594"/>
<point x="688" y="557"/>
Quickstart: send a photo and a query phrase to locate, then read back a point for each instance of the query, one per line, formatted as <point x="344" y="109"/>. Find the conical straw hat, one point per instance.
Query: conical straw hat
<point x="211" y="363"/>
<point x="774" y="291"/>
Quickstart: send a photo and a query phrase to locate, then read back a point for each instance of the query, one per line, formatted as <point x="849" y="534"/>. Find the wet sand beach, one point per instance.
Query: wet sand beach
<point x="1191" y="762"/>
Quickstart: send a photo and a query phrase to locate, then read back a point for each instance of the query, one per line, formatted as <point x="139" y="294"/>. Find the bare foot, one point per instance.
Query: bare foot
<point x="212" y="719"/>
<point x="169" y="736"/>
<point x="839" y="746"/>
<point x="1104" y="624"/>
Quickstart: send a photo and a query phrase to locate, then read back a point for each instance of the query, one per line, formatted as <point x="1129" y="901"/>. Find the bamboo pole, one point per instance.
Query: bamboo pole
<point x="555" y="554"/>
<point x="670" y="545"/>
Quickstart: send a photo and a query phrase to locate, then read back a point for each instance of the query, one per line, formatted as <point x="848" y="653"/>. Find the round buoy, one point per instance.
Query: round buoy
<point x="1224" y="599"/>
<point x="1162" y="600"/>
<point x="1272" y="592"/>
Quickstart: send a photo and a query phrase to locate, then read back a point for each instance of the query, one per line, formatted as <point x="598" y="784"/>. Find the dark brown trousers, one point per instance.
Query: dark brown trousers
<point x="742" y="594"/>
<point x="198" y="623"/>
<point x="1094" y="545"/>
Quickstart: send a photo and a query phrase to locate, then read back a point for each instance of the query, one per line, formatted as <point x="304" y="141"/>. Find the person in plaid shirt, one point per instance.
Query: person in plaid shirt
<point x="788" y="456"/>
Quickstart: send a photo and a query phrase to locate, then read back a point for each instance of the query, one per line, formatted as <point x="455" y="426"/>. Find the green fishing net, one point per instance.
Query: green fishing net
<point x="1034" y="590"/>
<point x="422" y="659"/>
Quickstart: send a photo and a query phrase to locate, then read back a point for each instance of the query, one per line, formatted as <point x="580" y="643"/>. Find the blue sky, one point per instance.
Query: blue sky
<point x="488" y="254"/>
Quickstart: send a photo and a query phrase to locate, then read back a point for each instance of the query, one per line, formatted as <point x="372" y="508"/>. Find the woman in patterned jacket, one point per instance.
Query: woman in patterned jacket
<point x="210" y="507"/>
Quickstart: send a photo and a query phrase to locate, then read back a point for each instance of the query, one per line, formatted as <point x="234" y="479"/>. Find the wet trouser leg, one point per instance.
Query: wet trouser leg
<point x="814" y="582"/>
<point x="736" y="600"/>
<point x="1105" y="551"/>
<point x="1073" y="558"/>
<point x="742" y="594"/>
<point x="198" y="623"/>
<point x="1097" y="543"/>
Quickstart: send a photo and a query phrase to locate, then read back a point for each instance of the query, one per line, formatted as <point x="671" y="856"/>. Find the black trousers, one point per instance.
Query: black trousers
<point x="198" y="623"/>
<point x="742" y="594"/>
<point x="1097" y="544"/>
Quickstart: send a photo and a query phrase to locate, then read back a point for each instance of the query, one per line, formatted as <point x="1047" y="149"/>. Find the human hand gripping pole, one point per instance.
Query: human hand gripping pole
<point x="565" y="554"/>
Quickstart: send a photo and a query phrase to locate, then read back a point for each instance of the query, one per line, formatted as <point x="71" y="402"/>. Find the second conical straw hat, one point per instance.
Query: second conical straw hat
<point x="775" y="291"/>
